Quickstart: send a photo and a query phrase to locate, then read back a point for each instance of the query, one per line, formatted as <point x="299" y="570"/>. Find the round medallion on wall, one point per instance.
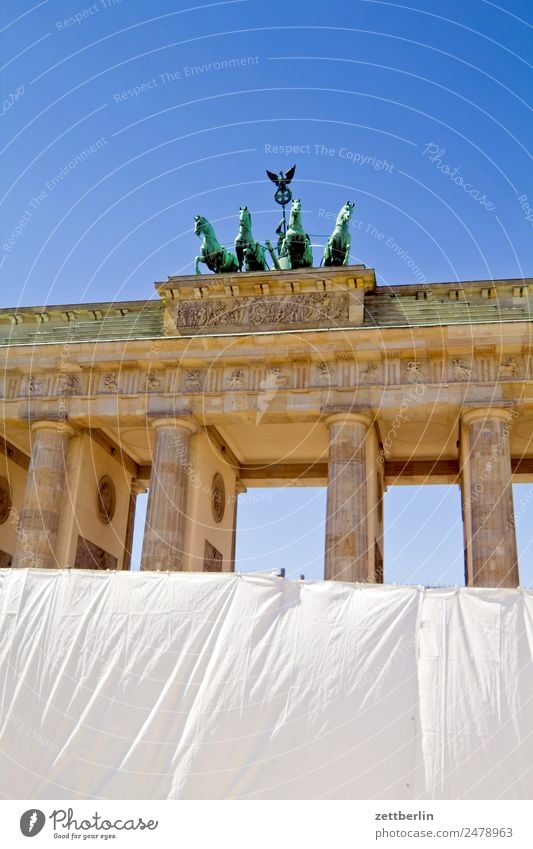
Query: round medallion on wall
<point x="107" y="499"/>
<point x="218" y="497"/>
<point x="5" y="500"/>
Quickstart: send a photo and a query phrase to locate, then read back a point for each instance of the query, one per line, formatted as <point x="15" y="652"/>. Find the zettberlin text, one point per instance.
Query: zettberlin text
<point x="401" y="815"/>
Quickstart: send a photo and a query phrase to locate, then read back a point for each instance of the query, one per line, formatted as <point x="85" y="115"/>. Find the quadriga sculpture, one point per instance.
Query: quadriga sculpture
<point x="212" y="253"/>
<point x="337" y="250"/>
<point x="296" y="251"/>
<point x="249" y="252"/>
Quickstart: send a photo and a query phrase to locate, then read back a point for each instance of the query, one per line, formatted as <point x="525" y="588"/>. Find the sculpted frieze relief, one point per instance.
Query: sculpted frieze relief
<point x="508" y="368"/>
<point x="463" y="372"/>
<point x="68" y="384"/>
<point x="261" y="310"/>
<point x="414" y="373"/>
<point x="259" y="375"/>
<point x="110" y="382"/>
<point x="324" y="374"/>
<point x="237" y="379"/>
<point x="32" y="386"/>
<point x="276" y="378"/>
<point x="368" y="374"/>
<point x="152" y="382"/>
<point x="192" y="380"/>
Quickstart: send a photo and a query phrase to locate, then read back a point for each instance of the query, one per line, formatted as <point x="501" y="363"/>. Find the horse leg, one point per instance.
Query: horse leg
<point x="197" y="261"/>
<point x="347" y="253"/>
<point x="260" y="256"/>
<point x="240" y="246"/>
<point x="307" y="259"/>
<point x="255" y="258"/>
<point x="326" y="257"/>
<point x="227" y="262"/>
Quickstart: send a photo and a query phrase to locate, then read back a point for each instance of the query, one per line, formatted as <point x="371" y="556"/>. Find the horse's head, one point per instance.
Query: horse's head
<point x="244" y="216"/>
<point x="296" y="211"/>
<point x="345" y="213"/>
<point x="199" y="224"/>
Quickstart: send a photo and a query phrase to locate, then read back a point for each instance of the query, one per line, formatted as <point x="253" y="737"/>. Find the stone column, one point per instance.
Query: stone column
<point x="490" y="540"/>
<point x="349" y="551"/>
<point x="164" y="534"/>
<point x="39" y="519"/>
<point x="239" y="488"/>
<point x="137" y="488"/>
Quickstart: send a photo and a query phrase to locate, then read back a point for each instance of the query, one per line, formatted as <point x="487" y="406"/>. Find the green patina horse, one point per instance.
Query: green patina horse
<point x="249" y="252"/>
<point x="337" y="250"/>
<point x="296" y="251"/>
<point x="212" y="253"/>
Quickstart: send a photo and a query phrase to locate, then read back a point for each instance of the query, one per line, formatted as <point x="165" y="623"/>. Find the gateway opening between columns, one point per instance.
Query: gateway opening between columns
<point x="76" y="485"/>
<point x="356" y="473"/>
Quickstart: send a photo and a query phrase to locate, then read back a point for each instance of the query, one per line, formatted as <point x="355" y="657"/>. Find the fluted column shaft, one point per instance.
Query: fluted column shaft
<point x="347" y="543"/>
<point x="164" y="534"/>
<point x="38" y="524"/>
<point x="490" y="539"/>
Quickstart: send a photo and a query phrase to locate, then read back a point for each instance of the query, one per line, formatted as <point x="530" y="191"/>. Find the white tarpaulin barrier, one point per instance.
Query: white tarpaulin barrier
<point x="155" y="685"/>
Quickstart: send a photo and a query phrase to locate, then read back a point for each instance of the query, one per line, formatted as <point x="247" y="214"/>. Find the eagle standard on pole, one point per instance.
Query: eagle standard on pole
<point x="283" y="196"/>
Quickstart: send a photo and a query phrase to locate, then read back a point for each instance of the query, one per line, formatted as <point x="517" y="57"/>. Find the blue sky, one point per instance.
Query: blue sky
<point x="122" y="120"/>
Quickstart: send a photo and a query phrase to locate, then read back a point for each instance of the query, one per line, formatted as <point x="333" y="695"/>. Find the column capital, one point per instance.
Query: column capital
<point x="358" y="417"/>
<point x="183" y="422"/>
<point x="53" y="424"/>
<point x="239" y="487"/>
<point x="475" y="414"/>
<point x="138" y="487"/>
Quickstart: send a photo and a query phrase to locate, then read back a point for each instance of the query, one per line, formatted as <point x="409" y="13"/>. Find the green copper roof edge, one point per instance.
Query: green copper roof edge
<point x="266" y="332"/>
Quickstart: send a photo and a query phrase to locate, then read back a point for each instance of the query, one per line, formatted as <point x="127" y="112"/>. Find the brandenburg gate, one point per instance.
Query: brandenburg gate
<point x="304" y="377"/>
